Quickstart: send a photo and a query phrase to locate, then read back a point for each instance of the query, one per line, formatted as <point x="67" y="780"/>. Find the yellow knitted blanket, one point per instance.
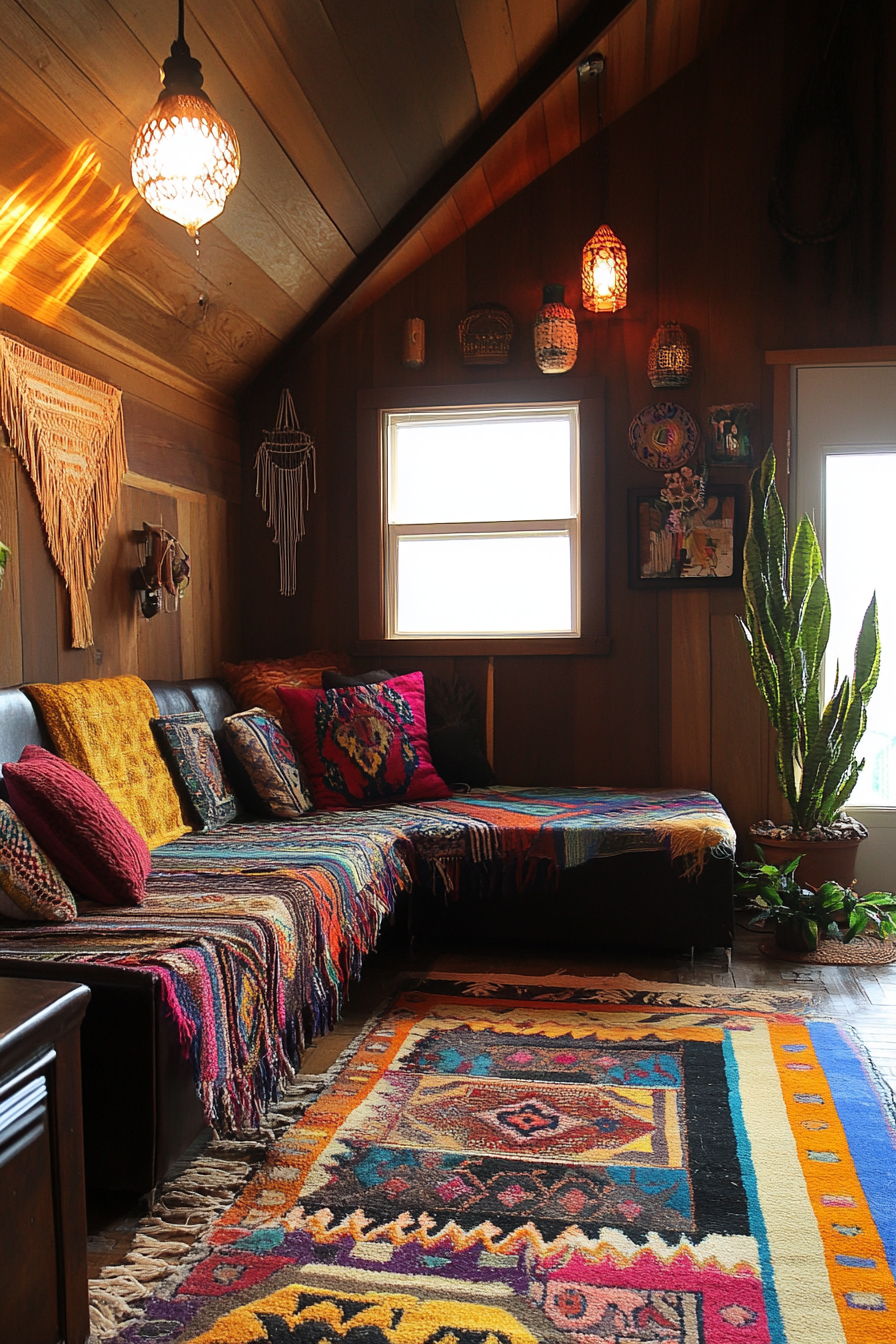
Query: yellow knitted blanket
<point x="102" y="727"/>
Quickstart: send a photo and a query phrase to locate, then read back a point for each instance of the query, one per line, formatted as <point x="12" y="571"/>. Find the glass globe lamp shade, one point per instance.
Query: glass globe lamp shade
<point x="185" y="159"/>
<point x="604" y="272"/>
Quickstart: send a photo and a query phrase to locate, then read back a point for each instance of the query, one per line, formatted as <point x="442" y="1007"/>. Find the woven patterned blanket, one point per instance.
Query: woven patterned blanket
<point x="251" y="969"/>
<point x="533" y="833"/>
<point x="353" y="866"/>
<point x="255" y="929"/>
<point x="518" y="837"/>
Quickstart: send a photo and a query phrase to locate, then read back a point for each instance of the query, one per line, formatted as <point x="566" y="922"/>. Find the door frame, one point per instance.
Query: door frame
<point x="785" y="364"/>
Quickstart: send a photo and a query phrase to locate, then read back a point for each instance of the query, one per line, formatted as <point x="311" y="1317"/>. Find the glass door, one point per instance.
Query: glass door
<point x="844" y="469"/>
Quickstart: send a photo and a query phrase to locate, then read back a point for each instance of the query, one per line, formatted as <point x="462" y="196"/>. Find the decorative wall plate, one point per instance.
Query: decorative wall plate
<point x="663" y="437"/>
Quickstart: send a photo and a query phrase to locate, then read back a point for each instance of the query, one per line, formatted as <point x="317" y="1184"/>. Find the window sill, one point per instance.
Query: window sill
<point x="599" y="646"/>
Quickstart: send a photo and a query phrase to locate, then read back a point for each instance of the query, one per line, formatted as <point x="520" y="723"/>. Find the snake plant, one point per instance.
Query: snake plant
<point x="788" y="619"/>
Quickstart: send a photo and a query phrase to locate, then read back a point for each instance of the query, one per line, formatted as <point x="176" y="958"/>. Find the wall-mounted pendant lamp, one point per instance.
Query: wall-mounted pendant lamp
<point x="604" y="272"/>
<point x="185" y="159"/>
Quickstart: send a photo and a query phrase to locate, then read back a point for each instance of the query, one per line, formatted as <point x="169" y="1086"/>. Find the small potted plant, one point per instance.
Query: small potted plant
<point x="787" y="622"/>
<point x="800" y="913"/>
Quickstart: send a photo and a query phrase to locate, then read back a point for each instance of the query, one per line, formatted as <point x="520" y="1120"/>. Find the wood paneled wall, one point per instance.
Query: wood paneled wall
<point x="184" y="472"/>
<point x="688" y="173"/>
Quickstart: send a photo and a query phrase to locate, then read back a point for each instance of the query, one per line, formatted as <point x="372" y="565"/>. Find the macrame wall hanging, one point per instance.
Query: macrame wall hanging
<point x="69" y="432"/>
<point x="285" y="475"/>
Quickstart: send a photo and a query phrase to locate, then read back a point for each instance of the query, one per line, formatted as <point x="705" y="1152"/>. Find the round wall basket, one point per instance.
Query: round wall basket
<point x="663" y="437"/>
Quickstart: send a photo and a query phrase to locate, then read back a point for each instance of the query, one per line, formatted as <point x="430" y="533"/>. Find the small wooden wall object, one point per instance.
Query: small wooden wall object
<point x="413" y="344"/>
<point x="554" y="333"/>
<point x="485" y="336"/>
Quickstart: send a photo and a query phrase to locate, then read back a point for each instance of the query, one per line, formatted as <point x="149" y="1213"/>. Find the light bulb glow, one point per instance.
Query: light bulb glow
<point x="604" y="272"/>
<point x="185" y="160"/>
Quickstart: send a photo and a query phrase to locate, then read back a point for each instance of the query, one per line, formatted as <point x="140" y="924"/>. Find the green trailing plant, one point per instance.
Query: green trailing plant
<point x="788" y="620"/>
<point x="773" y="894"/>
<point x="5" y="553"/>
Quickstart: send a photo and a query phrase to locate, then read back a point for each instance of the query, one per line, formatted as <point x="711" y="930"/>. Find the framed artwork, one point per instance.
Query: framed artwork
<point x="685" y="534"/>
<point x="731" y="434"/>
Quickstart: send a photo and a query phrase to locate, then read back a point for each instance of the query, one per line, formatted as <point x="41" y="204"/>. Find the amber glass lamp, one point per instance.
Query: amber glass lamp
<point x="185" y="159"/>
<point x="604" y="272"/>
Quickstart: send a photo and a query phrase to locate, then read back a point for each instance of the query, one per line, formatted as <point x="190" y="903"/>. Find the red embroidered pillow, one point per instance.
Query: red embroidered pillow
<point x="95" y="847"/>
<point x="365" y="744"/>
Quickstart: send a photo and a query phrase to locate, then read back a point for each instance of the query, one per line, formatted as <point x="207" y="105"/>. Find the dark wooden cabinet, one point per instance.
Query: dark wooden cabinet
<point x="43" y="1227"/>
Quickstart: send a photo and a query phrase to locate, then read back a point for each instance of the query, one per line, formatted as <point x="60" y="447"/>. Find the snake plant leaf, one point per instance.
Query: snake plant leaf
<point x="805" y="564"/>
<point x="835" y="804"/>
<point x="825" y="747"/>
<point x="867" y="664"/>
<point x="815" y="625"/>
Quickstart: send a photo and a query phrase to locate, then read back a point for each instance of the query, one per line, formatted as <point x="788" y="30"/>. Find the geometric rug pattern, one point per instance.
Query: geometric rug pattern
<point x="498" y="1169"/>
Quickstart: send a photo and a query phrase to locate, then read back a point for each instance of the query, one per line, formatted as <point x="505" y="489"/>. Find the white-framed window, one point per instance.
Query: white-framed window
<point x="481" y="522"/>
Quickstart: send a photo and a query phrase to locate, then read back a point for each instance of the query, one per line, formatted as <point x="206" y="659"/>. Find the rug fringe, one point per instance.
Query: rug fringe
<point x="190" y="1204"/>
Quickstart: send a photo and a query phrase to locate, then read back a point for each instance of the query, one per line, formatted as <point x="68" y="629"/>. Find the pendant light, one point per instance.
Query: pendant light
<point x="604" y="272"/>
<point x="185" y="159"/>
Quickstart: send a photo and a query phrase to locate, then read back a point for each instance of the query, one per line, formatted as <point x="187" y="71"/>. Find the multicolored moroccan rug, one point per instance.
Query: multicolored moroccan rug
<point x="504" y="1164"/>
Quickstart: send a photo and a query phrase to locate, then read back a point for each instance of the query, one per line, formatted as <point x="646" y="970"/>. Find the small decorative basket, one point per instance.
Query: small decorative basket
<point x="555" y="335"/>
<point x="670" y="362"/>
<point x="485" y="336"/>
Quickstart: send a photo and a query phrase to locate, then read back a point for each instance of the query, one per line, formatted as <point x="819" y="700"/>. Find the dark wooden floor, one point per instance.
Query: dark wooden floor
<point x="865" y="996"/>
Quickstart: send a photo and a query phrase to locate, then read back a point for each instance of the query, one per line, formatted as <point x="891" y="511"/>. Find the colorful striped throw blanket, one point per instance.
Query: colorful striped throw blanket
<point x="251" y="966"/>
<point x="528" y="835"/>
<point x="254" y="930"/>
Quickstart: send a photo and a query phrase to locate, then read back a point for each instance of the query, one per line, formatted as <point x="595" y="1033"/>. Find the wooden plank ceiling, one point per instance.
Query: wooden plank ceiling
<point x="345" y="111"/>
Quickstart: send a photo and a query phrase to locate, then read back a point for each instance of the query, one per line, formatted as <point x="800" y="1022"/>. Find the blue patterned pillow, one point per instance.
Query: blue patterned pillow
<point x="189" y="743"/>
<point x="272" y="776"/>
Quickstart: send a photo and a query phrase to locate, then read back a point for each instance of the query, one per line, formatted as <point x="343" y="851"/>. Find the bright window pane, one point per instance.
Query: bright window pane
<point x="467" y="585"/>
<point x="859" y="488"/>
<point x="466" y="469"/>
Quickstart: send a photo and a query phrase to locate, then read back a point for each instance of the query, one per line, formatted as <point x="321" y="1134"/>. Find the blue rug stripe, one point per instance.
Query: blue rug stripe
<point x="757" y="1222"/>
<point x="869" y="1133"/>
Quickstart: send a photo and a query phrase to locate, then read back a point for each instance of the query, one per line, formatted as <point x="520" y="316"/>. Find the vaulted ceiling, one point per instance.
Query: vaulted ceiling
<point x="373" y="133"/>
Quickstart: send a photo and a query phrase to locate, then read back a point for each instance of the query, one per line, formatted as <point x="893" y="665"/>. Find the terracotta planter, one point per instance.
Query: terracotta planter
<point x="825" y="860"/>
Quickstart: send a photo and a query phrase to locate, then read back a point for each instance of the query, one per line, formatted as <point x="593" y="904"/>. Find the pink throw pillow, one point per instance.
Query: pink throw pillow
<point x="95" y="847"/>
<point x="365" y="744"/>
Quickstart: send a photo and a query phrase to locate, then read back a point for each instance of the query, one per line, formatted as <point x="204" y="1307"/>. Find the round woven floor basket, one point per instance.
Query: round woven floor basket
<point x="862" y="951"/>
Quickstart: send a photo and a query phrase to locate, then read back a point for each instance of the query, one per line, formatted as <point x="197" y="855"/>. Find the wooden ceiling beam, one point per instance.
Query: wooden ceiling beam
<point x="569" y="48"/>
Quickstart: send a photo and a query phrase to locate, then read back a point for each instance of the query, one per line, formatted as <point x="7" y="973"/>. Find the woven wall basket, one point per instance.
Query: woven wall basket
<point x="485" y="336"/>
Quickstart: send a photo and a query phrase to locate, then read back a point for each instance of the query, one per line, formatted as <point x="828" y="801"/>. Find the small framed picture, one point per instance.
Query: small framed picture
<point x="685" y="534"/>
<point x="731" y="434"/>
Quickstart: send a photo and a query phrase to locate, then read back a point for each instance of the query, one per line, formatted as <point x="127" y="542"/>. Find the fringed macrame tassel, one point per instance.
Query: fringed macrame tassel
<point x="68" y="430"/>
<point x="285" y="475"/>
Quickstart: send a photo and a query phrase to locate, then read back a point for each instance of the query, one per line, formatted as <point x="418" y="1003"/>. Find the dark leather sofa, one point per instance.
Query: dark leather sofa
<point x="141" y="1109"/>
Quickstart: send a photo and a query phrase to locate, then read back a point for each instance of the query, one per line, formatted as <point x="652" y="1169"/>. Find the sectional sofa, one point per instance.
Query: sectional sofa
<point x="602" y="867"/>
